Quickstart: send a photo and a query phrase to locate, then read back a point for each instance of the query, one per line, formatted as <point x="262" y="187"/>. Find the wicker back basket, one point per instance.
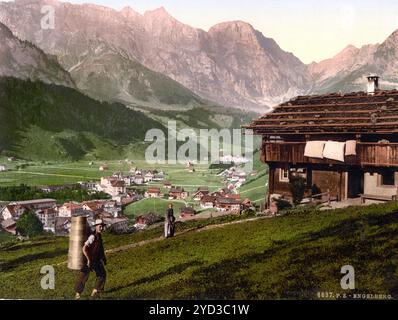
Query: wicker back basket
<point x="77" y="237"/>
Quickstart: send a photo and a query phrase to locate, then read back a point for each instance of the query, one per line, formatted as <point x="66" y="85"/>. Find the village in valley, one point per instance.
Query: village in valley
<point x="132" y="198"/>
<point x="132" y="195"/>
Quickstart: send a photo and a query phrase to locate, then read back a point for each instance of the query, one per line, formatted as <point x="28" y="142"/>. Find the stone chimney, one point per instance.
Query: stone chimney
<point x="373" y="84"/>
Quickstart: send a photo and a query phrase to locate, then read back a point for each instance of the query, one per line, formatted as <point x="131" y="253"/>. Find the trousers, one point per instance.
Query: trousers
<point x="100" y="272"/>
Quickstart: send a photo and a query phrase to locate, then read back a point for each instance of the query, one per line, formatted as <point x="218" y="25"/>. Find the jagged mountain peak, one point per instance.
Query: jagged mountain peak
<point x="348" y="52"/>
<point x="241" y="30"/>
<point x="158" y="13"/>
<point x="388" y="50"/>
<point x="349" y="49"/>
<point x="129" y="12"/>
<point x="345" y="71"/>
<point x="236" y="26"/>
<point x="393" y="37"/>
<point x="233" y="34"/>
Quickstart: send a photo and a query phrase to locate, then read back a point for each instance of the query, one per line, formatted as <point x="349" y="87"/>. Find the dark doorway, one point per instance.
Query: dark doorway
<point x="355" y="182"/>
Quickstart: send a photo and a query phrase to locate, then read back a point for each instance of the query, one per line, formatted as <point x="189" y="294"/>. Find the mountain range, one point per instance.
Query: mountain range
<point x="105" y="50"/>
<point x="44" y="116"/>
<point x="347" y="70"/>
<point x="153" y="60"/>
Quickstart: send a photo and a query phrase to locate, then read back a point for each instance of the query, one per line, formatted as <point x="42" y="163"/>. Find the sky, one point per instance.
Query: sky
<point x="313" y="30"/>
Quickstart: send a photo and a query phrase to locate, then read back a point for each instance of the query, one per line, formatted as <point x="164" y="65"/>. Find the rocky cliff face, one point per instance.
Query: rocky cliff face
<point x="385" y="60"/>
<point x="98" y="48"/>
<point x="344" y="72"/>
<point x="155" y="59"/>
<point x="232" y="64"/>
<point x="254" y="66"/>
<point x="21" y="59"/>
<point x="347" y="71"/>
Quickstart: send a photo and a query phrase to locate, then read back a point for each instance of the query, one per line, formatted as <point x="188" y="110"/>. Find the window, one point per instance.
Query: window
<point x="300" y="172"/>
<point x="388" y="178"/>
<point x="284" y="175"/>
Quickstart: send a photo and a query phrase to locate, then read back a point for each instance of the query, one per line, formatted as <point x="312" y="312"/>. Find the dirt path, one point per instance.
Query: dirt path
<point x="154" y="240"/>
<point x="199" y="229"/>
<point x="50" y="174"/>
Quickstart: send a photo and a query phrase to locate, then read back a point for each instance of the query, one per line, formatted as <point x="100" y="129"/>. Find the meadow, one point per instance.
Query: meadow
<point x="256" y="187"/>
<point x="295" y="256"/>
<point x="53" y="173"/>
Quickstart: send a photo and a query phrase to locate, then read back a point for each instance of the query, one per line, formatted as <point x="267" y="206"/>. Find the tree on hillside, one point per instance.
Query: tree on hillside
<point x="25" y="192"/>
<point x="297" y="188"/>
<point x="29" y="225"/>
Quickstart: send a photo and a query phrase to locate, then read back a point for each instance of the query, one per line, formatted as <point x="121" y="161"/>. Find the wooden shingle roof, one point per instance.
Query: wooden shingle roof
<point x="335" y="113"/>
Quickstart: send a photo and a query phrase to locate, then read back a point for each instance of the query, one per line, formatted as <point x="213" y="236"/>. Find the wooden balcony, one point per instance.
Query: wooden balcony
<point x="379" y="154"/>
<point x="368" y="154"/>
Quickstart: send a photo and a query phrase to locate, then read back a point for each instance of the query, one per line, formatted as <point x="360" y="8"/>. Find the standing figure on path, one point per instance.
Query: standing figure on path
<point x="169" y="225"/>
<point x="93" y="250"/>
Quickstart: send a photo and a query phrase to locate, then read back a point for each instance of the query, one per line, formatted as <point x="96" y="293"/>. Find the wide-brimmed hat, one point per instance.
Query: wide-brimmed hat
<point x="99" y="222"/>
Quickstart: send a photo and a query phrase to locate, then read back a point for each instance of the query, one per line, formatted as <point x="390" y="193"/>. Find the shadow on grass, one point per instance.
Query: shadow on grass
<point x="16" y="247"/>
<point x="355" y="224"/>
<point x="7" y="266"/>
<point x="173" y="270"/>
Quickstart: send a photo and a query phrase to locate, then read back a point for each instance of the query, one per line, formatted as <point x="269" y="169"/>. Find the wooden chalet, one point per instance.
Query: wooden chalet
<point x="153" y="192"/>
<point x="167" y="185"/>
<point x="200" y="193"/>
<point x="148" y="219"/>
<point x="208" y="201"/>
<point x="178" y="193"/>
<point x="187" y="212"/>
<point x="344" y="144"/>
<point x="228" y="204"/>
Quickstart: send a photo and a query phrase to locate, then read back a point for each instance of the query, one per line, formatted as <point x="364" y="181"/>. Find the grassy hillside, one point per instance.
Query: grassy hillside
<point x="48" y="122"/>
<point x="113" y="77"/>
<point x="158" y="206"/>
<point x="40" y="121"/>
<point x="49" y="172"/>
<point x="5" y="237"/>
<point x="294" y="256"/>
<point x="255" y="189"/>
<point x="203" y="117"/>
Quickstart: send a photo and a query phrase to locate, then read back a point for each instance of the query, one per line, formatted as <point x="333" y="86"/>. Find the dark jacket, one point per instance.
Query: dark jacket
<point x="170" y="216"/>
<point x="96" y="250"/>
